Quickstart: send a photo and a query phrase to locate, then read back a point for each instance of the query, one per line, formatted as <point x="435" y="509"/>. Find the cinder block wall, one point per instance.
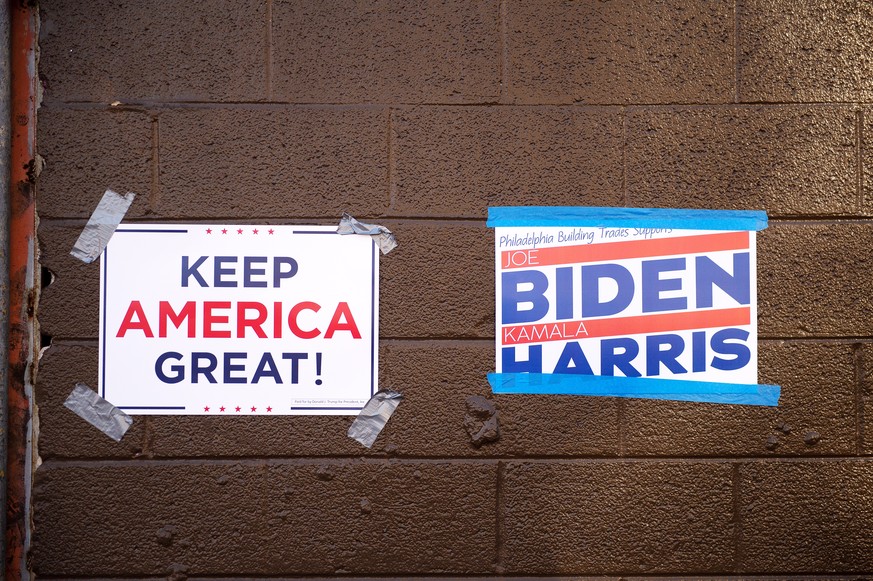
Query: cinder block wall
<point x="419" y="115"/>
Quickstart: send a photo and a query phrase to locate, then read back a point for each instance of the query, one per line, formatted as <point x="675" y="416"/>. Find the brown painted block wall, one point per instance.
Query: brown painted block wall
<point x="419" y="116"/>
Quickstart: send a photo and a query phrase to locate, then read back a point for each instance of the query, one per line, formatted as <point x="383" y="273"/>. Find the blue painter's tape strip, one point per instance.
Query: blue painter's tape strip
<point x="543" y="216"/>
<point x="634" y="387"/>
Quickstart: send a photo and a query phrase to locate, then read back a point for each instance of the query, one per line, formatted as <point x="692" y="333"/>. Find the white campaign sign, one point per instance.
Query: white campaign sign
<point x="238" y="320"/>
<point x="634" y="302"/>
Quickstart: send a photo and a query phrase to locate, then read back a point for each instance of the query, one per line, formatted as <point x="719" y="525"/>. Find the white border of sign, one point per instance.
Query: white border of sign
<point x="346" y="269"/>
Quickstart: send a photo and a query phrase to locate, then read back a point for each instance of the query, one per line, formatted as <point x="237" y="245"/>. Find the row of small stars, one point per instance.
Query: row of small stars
<point x="237" y="408"/>
<point x="240" y="231"/>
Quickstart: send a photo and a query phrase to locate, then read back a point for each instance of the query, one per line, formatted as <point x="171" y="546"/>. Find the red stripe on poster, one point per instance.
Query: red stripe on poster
<point x="665" y="322"/>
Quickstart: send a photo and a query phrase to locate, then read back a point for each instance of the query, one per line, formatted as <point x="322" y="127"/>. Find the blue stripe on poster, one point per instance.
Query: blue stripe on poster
<point x="634" y="387"/>
<point x="543" y="216"/>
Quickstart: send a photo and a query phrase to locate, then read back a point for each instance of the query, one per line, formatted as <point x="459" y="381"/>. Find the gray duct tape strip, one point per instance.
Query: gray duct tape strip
<point x="382" y="235"/>
<point x="366" y="427"/>
<point x="100" y="228"/>
<point x="98" y="412"/>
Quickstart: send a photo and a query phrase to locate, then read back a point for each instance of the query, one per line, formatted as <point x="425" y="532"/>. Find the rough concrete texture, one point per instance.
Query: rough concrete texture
<point x="864" y="355"/>
<point x="804" y="51"/>
<point x="789" y="160"/>
<point x="420" y="287"/>
<point x="89" y="151"/>
<point x="256" y="518"/>
<point x="616" y="52"/>
<point x="437" y="378"/>
<point x="109" y="51"/>
<point x="419" y="116"/>
<point x="458" y="161"/>
<point x="609" y="517"/>
<point x="375" y="513"/>
<point x="866" y="117"/>
<point x="231" y="163"/>
<point x="386" y="52"/>
<point x="866" y="444"/>
<point x="818" y="393"/>
<point x="61" y="432"/>
<point x="806" y="516"/>
<point x="814" y="279"/>
<point x="70" y="306"/>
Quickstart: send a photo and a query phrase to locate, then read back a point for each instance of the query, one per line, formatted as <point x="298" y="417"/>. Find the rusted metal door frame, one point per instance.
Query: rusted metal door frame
<point x="22" y="339"/>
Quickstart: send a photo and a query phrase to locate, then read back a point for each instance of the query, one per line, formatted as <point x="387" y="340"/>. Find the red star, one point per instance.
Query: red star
<point x="255" y="230"/>
<point x="269" y="409"/>
<point x="270" y="231"/>
<point x="237" y="408"/>
<point x="209" y="230"/>
<point x="221" y="409"/>
<point x="206" y="409"/>
<point x="239" y="231"/>
<point x="224" y="230"/>
<point x="254" y="409"/>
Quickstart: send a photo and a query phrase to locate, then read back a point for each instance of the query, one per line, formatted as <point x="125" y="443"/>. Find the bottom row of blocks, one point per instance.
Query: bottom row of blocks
<point x="412" y="516"/>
